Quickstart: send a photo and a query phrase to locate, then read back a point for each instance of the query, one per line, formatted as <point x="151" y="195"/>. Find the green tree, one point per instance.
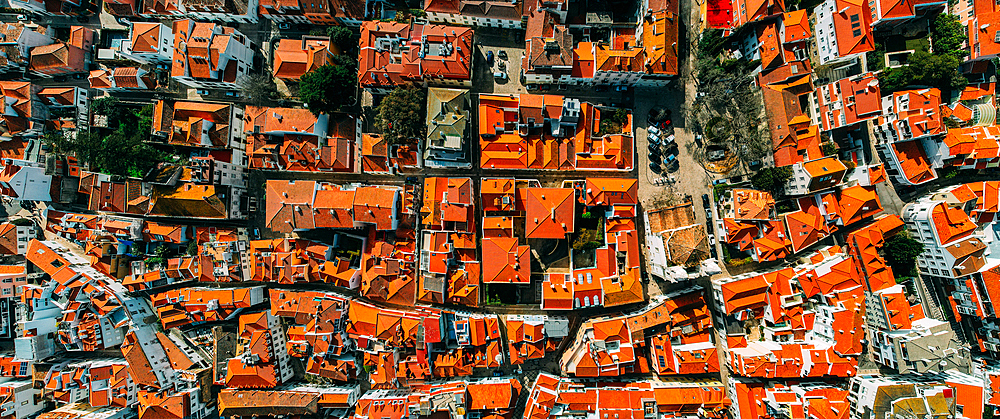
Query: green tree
<point x="331" y="87"/>
<point x="771" y="179"/>
<point x="344" y="38"/>
<point x="401" y="115"/>
<point x="160" y="256"/>
<point x="901" y="253"/>
<point x="948" y="34"/>
<point x="258" y="89"/>
<point x="923" y="69"/>
<point x="829" y="148"/>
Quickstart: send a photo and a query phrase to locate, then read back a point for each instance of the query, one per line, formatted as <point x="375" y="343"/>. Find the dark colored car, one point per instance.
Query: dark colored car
<point x="705" y="201"/>
<point x="655" y="167"/>
<point x="489" y="58"/>
<point x="502" y="54"/>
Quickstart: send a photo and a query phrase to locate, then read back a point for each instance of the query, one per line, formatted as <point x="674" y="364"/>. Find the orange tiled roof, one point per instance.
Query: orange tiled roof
<point x="550" y="213"/>
<point x="383" y="65"/>
<point x="295" y="57"/>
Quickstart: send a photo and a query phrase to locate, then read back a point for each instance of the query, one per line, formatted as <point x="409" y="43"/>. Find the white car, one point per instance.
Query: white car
<point x="711" y="239"/>
<point x="22" y="17"/>
<point x="653" y="129"/>
<point x="668" y="139"/>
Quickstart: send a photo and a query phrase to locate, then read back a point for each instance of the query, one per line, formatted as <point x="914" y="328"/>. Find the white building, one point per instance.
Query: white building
<point x="24" y="180"/>
<point x="21" y="400"/>
<point x="238" y="11"/>
<point x="930" y="345"/>
<point x="25" y="38"/>
<point x="229" y="49"/>
<point x="954" y="245"/>
<point x="490" y="14"/>
<point x="950" y="394"/>
<point x="148" y="43"/>
<point x="841" y="31"/>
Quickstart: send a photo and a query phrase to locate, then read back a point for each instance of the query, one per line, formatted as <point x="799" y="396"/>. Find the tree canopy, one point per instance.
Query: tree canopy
<point x="901" y="253"/>
<point x="948" y="34"/>
<point x="343" y="38"/>
<point x="771" y="179"/>
<point x="258" y="89"/>
<point x="123" y="151"/>
<point x="401" y="115"/>
<point x="331" y="87"/>
<point x="923" y="69"/>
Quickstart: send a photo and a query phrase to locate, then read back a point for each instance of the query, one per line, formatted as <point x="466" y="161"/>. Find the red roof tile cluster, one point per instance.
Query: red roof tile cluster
<point x="450" y="269"/>
<point x="388" y="267"/>
<point x="299" y="205"/>
<point x="852" y="21"/>
<point x="295" y="57"/>
<point x="58" y="58"/>
<point x="823" y="340"/>
<point x="849" y="101"/>
<point x="551" y="132"/>
<point x="864" y="245"/>
<point x="17" y="117"/>
<point x="614" y="346"/>
<point x="325" y="12"/>
<point x="197" y="305"/>
<point x="407" y="358"/>
<point x="760" y="400"/>
<point x="393" y="54"/>
<point x="975" y="147"/>
<point x="289" y="261"/>
<point x="205" y="51"/>
<point x="527" y="338"/>
<point x="626" y="399"/>
<point x="194" y="124"/>
<point x="132" y="78"/>
<point x="982" y="40"/>
<point x="104" y="383"/>
<point x="987" y="200"/>
<point x="315" y="333"/>
<point x="913" y="114"/>
<point x="289" y="141"/>
<point x="260" y="361"/>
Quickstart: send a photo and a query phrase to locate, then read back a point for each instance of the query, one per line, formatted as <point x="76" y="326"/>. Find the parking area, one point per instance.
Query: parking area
<point x="485" y="80"/>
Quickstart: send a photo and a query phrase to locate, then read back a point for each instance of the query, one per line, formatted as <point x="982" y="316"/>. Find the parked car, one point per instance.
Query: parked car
<point x="653" y="129"/>
<point x="653" y="139"/>
<point x="671" y="158"/>
<point x="502" y="54"/>
<point x="621" y="88"/>
<point x="711" y="239"/>
<point x="500" y="75"/>
<point x="284" y="26"/>
<point x="22" y="17"/>
<point x="544" y="87"/>
<point x="705" y="201"/>
<point x="654" y="157"/>
<point x="655" y="167"/>
<point x="124" y="21"/>
<point x="654" y="147"/>
<point x="718" y="182"/>
<point x="489" y="58"/>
